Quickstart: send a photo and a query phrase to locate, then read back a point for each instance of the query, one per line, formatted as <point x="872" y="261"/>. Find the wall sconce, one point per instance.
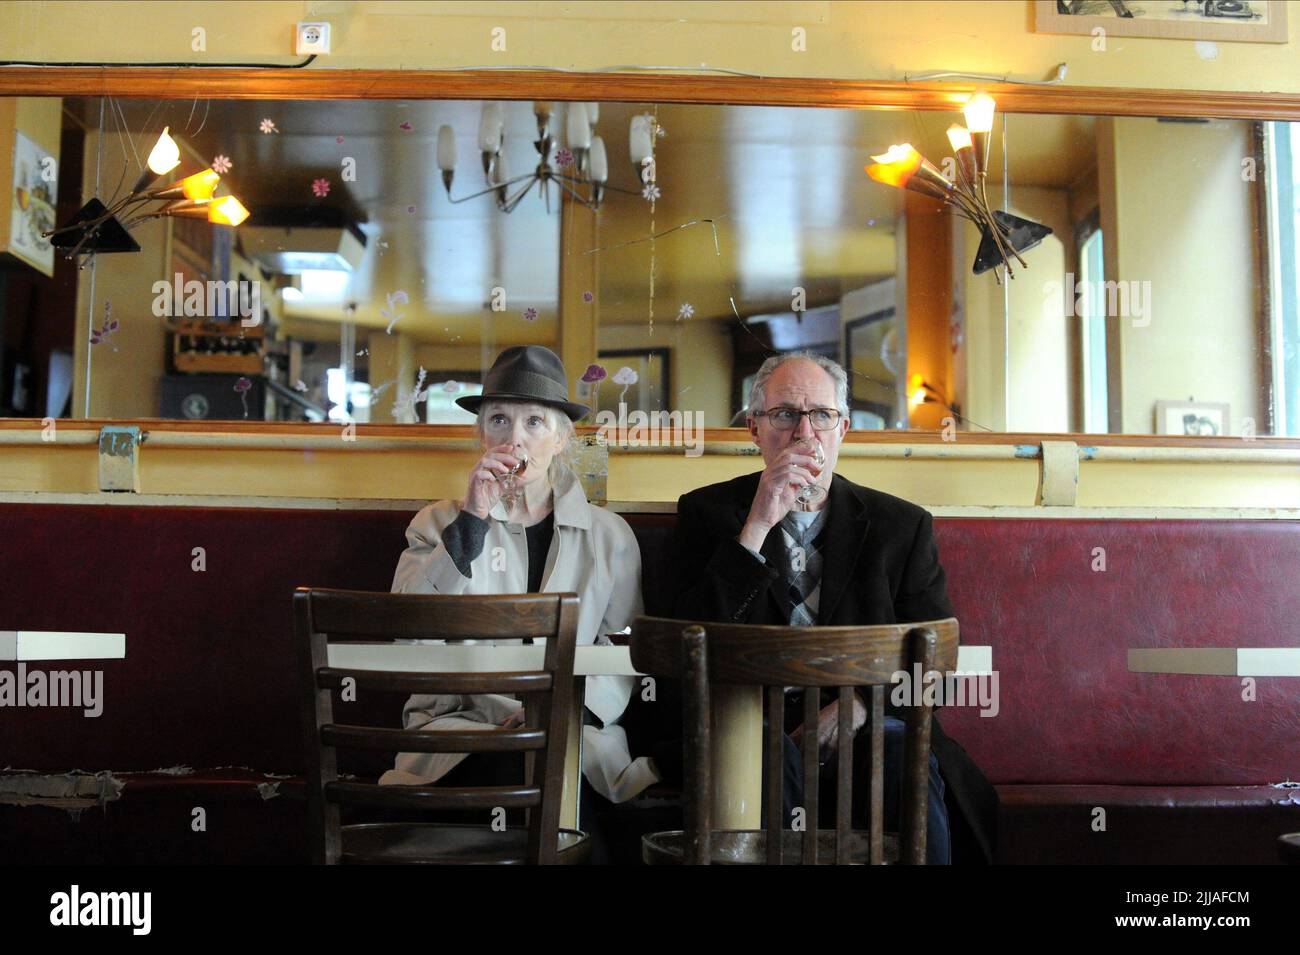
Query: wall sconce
<point x="97" y="228"/>
<point x="1003" y="236"/>
<point x="922" y="392"/>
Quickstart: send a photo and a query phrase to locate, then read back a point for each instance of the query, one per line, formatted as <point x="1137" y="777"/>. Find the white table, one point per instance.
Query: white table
<point x="1217" y="661"/>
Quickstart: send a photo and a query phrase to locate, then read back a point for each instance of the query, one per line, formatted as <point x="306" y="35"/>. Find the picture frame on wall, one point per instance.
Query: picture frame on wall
<point x="1242" y="21"/>
<point x="1193" y="418"/>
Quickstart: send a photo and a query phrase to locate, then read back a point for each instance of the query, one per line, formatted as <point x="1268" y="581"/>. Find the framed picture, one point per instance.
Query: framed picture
<point x="649" y="391"/>
<point x="872" y="359"/>
<point x="35" y="196"/>
<point x="1250" y="21"/>
<point x="1194" y="418"/>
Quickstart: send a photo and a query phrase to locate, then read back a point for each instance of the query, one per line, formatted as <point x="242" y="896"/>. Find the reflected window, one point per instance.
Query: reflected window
<point x="1282" y="144"/>
<point x="1092" y="333"/>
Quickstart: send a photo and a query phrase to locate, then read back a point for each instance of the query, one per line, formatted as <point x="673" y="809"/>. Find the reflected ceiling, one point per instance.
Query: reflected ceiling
<point x="784" y="188"/>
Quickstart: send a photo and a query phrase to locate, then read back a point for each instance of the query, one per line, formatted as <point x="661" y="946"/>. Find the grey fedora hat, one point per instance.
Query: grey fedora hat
<point x="526" y="373"/>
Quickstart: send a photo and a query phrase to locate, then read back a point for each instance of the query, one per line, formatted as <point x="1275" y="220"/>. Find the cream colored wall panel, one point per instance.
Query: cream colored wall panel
<point x="1103" y="484"/>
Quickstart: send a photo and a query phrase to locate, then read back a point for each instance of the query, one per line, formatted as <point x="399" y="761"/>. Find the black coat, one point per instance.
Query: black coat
<point x="880" y="565"/>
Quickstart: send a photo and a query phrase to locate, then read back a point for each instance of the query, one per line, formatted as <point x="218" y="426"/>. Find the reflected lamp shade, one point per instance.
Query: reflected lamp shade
<point x="446" y="148"/>
<point x="599" y="161"/>
<point x="490" y="126"/>
<point x="905" y="168"/>
<point x="577" y="127"/>
<point x="979" y="113"/>
<point x="640" y="141"/>
<point x="165" y="155"/>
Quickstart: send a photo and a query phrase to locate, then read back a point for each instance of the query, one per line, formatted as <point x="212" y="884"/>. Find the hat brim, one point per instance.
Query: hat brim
<point x="573" y="410"/>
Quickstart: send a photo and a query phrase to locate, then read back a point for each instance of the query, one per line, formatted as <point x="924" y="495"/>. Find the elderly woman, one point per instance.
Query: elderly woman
<point x="552" y="540"/>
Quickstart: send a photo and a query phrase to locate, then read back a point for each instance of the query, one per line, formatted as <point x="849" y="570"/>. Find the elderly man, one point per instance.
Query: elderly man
<point x="751" y="550"/>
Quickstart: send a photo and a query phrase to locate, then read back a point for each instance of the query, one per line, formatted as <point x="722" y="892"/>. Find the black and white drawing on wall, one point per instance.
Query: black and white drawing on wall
<point x="1196" y="418"/>
<point x="1259" y="21"/>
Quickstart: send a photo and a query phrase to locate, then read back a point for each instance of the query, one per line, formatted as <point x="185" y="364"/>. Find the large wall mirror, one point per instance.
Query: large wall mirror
<point x="367" y="289"/>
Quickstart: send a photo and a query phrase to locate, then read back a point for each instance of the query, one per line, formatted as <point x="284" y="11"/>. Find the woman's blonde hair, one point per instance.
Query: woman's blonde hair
<point x="558" y="422"/>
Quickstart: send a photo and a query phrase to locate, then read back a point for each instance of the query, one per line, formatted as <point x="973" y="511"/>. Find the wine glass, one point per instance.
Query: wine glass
<point x="510" y="489"/>
<point x="812" y="492"/>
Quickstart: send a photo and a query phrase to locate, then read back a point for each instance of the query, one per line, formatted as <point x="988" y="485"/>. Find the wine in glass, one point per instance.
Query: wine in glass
<point x="812" y="492"/>
<point x="510" y="489"/>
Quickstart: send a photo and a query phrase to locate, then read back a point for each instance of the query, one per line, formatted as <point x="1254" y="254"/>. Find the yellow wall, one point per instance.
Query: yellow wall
<point x="1188" y="232"/>
<point x="875" y="40"/>
<point x="700" y="354"/>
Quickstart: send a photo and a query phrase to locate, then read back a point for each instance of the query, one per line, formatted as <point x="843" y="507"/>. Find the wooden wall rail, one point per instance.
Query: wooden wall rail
<point x="642" y="87"/>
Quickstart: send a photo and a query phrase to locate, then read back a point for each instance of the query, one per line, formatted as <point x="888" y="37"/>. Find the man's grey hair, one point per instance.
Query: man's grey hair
<point x="559" y="422"/>
<point x="758" y="396"/>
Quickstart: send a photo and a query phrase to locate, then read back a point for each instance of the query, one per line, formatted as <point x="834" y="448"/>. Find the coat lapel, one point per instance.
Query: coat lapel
<point x="848" y="520"/>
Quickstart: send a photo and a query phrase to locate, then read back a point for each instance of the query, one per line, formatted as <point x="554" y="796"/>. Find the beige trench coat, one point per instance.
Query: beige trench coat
<point x="593" y="554"/>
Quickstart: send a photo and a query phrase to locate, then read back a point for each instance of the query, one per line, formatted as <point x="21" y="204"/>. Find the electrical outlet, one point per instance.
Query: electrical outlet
<point x="313" y="38"/>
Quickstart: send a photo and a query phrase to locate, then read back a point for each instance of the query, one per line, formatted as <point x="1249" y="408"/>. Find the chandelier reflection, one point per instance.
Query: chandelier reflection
<point x="583" y="151"/>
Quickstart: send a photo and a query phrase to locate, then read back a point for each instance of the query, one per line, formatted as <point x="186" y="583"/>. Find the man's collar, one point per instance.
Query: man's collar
<point x="570" y="503"/>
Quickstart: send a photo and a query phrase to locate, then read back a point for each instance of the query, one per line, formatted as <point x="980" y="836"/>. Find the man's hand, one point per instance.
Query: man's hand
<point x="773" y="500"/>
<point x="828" y="726"/>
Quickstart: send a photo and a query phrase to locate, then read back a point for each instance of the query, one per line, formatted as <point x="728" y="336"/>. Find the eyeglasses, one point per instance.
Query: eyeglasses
<point x="786" y="419"/>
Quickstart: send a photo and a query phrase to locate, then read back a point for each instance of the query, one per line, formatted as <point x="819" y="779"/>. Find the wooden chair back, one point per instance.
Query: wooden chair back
<point x="844" y="658"/>
<point x="322" y="617"/>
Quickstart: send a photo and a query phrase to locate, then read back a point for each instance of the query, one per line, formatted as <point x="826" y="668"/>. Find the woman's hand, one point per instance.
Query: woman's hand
<point x="514" y="720"/>
<point x="485" y="479"/>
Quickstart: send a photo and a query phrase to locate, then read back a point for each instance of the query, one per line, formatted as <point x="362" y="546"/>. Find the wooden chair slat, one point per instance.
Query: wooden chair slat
<point x="916" y="756"/>
<point x="433" y="797"/>
<point x="441" y="741"/>
<point x="877" y="810"/>
<point x="507" y="683"/>
<point x="789" y="656"/>
<point x="775" y="772"/>
<point x="697" y="748"/>
<point x="844" y="776"/>
<point x="356" y="612"/>
<point x="811" y="769"/>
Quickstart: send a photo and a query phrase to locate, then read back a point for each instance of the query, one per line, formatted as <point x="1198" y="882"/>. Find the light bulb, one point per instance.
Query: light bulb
<point x="598" y="162"/>
<point x="979" y="113"/>
<point x="446" y="148"/>
<point x="490" y="125"/>
<point x="959" y="137"/>
<point x="201" y="185"/>
<point x="577" y="128"/>
<point x="165" y="155"/>
<point x="640" y="141"/>
<point x="896" y="166"/>
<point x="227" y="211"/>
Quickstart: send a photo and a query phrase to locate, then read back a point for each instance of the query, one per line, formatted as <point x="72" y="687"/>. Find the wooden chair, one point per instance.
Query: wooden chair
<point x="811" y="657"/>
<point x="1288" y="848"/>
<point x="332" y="616"/>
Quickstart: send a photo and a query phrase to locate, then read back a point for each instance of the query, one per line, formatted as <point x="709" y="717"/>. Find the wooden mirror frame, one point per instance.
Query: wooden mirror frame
<point x="648" y="87"/>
